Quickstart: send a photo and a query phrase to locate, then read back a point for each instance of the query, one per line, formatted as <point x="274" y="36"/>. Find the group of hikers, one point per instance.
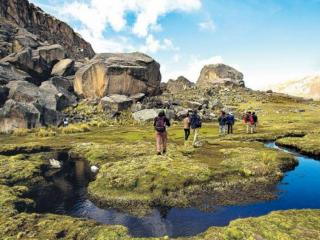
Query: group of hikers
<point x="192" y="124"/>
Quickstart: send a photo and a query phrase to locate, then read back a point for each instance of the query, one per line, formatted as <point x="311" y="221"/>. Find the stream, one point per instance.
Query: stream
<point x="299" y="189"/>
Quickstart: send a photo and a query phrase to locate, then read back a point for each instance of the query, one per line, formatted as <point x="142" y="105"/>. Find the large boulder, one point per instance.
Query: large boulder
<point x="47" y="99"/>
<point x="63" y="97"/>
<point x="178" y="85"/>
<point x="116" y="103"/>
<point x="49" y="95"/>
<point x="18" y="115"/>
<point x="219" y="74"/>
<point x="22" y="91"/>
<point x="9" y="73"/>
<point x="149" y="114"/>
<point x="118" y="73"/>
<point x="38" y="63"/>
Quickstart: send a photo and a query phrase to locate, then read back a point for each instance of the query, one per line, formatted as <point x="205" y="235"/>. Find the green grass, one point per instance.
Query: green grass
<point x="133" y="179"/>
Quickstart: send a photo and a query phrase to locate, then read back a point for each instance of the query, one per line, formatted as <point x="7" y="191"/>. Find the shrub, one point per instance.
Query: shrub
<point x="20" y="132"/>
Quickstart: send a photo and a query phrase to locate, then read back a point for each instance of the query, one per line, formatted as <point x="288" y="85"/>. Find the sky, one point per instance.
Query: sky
<point x="269" y="41"/>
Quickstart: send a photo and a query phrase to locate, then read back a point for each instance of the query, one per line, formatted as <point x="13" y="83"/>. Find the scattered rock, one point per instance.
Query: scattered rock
<point x="64" y="67"/>
<point x="182" y="114"/>
<point x="116" y="103"/>
<point x="178" y="85"/>
<point x="149" y="114"/>
<point x="138" y="97"/>
<point x="10" y="73"/>
<point x="194" y="105"/>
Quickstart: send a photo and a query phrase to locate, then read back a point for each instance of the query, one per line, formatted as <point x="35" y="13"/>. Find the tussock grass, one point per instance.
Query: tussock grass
<point x="19" y="132"/>
<point x="75" y="128"/>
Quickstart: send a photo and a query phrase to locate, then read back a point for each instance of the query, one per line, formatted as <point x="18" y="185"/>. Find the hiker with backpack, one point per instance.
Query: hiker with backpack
<point x="230" y="122"/>
<point x="186" y="127"/>
<point x="160" y="123"/>
<point x="195" y="124"/>
<point x="246" y="119"/>
<point x="222" y="122"/>
<point x="255" y="121"/>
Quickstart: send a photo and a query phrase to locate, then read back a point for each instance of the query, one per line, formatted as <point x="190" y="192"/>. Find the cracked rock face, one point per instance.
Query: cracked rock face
<point x="46" y="28"/>
<point x="122" y="73"/>
<point x="219" y="74"/>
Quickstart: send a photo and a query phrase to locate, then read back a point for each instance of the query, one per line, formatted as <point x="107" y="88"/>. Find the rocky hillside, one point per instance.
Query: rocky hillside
<point x="45" y="67"/>
<point x="308" y="87"/>
<point x="25" y="19"/>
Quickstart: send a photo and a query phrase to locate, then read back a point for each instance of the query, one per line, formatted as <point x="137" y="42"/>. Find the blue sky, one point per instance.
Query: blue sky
<point x="268" y="40"/>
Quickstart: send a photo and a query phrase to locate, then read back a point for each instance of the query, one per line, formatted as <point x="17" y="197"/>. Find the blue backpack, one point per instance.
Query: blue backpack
<point x="195" y="121"/>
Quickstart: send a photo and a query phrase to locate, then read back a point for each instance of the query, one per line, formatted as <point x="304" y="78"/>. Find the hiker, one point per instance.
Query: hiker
<point x="195" y="124"/>
<point x="186" y="126"/>
<point x="246" y="119"/>
<point x="255" y="120"/>
<point x="65" y="122"/>
<point x="160" y="124"/>
<point x="222" y="122"/>
<point x="230" y="122"/>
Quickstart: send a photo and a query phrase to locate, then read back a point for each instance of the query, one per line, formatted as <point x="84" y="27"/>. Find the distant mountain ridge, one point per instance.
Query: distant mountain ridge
<point x="307" y="87"/>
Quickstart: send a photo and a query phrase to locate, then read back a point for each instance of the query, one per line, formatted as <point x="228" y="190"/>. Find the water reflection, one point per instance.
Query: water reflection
<point x="299" y="189"/>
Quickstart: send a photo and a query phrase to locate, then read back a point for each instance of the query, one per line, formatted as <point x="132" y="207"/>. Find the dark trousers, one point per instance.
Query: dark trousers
<point x="186" y="134"/>
<point x="230" y="128"/>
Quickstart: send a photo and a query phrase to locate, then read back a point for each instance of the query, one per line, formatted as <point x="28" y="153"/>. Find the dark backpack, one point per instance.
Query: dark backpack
<point x="247" y="117"/>
<point x="160" y="124"/>
<point x="195" y="121"/>
<point x="255" y="118"/>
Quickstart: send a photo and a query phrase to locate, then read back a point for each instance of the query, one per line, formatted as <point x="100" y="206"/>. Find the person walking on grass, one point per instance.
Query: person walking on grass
<point x="230" y="122"/>
<point x="160" y="123"/>
<point x="186" y="127"/>
<point x="222" y="122"/>
<point x="255" y="120"/>
<point x="195" y="124"/>
<point x="246" y="120"/>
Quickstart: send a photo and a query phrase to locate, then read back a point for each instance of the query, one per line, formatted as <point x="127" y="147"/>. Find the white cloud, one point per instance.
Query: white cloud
<point x="207" y="25"/>
<point x="153" y="45"/>
<point x="191" y="70"/>
<point x="102" y="44"/>
<point x="96" y="16"/>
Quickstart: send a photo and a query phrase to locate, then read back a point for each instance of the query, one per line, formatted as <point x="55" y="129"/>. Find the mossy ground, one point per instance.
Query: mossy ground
<point x="237" y="168"/>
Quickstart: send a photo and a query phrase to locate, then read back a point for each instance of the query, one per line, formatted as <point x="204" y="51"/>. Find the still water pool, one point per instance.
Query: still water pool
<point x="299" y="189"/>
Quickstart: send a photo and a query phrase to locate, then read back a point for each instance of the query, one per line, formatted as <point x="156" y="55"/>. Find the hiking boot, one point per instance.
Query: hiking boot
<point x="164" y="152"/>
<point x="158" y="153"/>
